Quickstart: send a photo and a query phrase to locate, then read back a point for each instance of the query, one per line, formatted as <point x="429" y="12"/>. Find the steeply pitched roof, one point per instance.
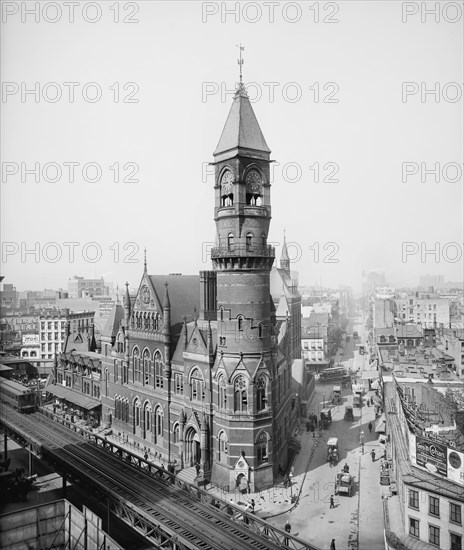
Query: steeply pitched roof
<point x="111" y="327"/>
<point x="184" y="295"/>
<point x="241" y="128"/>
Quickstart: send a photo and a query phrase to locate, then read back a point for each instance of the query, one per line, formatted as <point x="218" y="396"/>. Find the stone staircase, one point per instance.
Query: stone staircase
<point x="188" y="474"/>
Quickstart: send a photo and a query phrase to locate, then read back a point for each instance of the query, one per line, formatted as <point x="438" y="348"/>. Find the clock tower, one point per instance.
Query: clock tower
<point x="245" y="367"/>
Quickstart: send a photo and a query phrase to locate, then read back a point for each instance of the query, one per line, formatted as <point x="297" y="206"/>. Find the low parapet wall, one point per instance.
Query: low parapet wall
<point x="57" y="524"/>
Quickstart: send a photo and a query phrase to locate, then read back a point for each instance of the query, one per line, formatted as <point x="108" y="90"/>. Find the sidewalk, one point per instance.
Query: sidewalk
<point x="371" y="493"/>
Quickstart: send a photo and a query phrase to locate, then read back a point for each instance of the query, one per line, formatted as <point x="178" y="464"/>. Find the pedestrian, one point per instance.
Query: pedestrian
<point x="370" y="426"/>
<point x="252" y="505"/>
<point x="145" y="455"/>
<point x="197" y="468"/>
<point x="373" y="455"/>
<point x="288" y="527"/>
<point x="372" y="400"/>
<point x="332" y="545"/>
<point x="332" y="504"/>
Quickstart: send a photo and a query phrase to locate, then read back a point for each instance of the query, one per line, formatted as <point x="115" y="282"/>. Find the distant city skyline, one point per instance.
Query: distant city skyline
<point x="358" y="142"/>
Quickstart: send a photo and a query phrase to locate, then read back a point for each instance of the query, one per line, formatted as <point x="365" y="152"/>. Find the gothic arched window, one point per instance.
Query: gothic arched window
<point x="222" y="393"/>
<point x="176" y="433"/>
<point x="197" y="386"/>
<point x="136" y="364"/>
<point x="223" y="446"/>
<point x="159" y="374"/>
<point x="240" y="322"/>
<point x="240" y="394"/>
<point x="230" y="241"/>
<point x="147" y="417"/>
<point x="158" y="423"/>
<point x="137" y="412"/>
<point x="261" y="400"/>
<point x="146" y="367"/>
<point x="249" y="239"/>
<point x="262" y="447"/>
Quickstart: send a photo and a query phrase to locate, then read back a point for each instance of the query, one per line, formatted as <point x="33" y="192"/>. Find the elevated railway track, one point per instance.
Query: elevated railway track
<point x="169" y="512"/>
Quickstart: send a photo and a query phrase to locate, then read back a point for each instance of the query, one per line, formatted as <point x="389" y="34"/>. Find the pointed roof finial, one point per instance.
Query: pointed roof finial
<point x="241" y="90"/>
<point x="117" y="294"/>
<point x="240" y="61"/>
<point x="145" y="259"/>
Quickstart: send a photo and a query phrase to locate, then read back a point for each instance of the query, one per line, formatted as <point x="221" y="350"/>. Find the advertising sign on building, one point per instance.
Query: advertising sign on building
<point x="30" y="339"/>
<point x="432" y="456"/>
<point x="437" y="458"/>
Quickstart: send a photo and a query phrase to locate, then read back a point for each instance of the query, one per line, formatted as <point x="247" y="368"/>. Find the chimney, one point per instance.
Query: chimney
<point x="208" y="299"/>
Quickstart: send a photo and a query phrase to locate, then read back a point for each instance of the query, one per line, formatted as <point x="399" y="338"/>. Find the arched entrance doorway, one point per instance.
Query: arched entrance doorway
<point x="192" y="447"/>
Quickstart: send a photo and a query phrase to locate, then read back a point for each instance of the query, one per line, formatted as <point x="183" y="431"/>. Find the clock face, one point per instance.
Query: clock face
<point x="145" y="295"/>
<point x="227" y="181"/>
<point x="253" y="180"/>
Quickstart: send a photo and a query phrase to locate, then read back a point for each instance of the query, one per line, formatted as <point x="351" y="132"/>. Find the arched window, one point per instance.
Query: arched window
<point x="117" y="407"/>
<point x="158" y="423"/>
<point x="197" y="386"/>
<point x="126" y="410"/>
<point x="261" y="400"/>
<point x="136" y="364"/>
<point x="176" y="433"/>
<point x="249" y="239"/>
<point x="230" y="241"/>
<point x="221" y="313"/>
<point x="146" y="321"/>
<point x="240" y="394"/>
<point x="383" y="339"/>
<point x="146" y="367"/>
<point x="137" y="412"/>
<point x="240" y="322"/>
<point x="107" y="382"/>
<point x="222" y="393"/>
<point x="147" y="417"/>
<point x="262" y="447"/>
<point x="260" y="330"/>
<point x="223" y="446"/>
<point x="263" y="239"/>
<point x="159" y="370"/>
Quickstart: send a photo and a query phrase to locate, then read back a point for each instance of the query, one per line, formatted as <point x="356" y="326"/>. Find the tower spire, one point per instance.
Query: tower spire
<point x="240" y="61"/>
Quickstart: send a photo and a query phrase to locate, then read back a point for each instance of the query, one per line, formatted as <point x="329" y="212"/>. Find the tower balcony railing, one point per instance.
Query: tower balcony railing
<point x="250" y="250"/>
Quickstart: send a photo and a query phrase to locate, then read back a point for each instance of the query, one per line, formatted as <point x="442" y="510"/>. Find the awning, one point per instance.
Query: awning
<point x="380" y="424"/>
<point x="78" y="399"/>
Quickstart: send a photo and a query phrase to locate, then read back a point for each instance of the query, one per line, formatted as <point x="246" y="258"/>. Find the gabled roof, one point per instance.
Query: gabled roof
<point x="241" y="128"/>
<point x="184" y="295"/>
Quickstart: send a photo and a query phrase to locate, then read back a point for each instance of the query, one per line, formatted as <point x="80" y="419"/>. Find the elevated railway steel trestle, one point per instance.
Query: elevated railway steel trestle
<point x="171" y="513"/>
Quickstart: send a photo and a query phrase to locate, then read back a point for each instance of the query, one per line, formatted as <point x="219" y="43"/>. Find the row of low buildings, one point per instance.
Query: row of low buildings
<point x="425" y="450"/>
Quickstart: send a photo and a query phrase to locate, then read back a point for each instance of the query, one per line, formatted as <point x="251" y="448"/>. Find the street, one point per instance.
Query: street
<point x="356" y="521"/>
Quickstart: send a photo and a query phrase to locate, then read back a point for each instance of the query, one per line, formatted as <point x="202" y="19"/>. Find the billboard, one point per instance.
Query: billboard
<point x="437" y="458"/>
<point x="30" y="339"/>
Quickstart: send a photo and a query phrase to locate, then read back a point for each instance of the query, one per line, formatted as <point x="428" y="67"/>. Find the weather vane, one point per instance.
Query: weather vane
<point x="240" y="60"/>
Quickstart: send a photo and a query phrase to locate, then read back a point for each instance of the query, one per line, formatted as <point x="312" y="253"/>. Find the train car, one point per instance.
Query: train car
<point x="16" y="395"/>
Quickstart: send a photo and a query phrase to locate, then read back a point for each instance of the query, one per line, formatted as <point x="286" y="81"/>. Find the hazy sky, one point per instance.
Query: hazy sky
<point x="329" y="83"/>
